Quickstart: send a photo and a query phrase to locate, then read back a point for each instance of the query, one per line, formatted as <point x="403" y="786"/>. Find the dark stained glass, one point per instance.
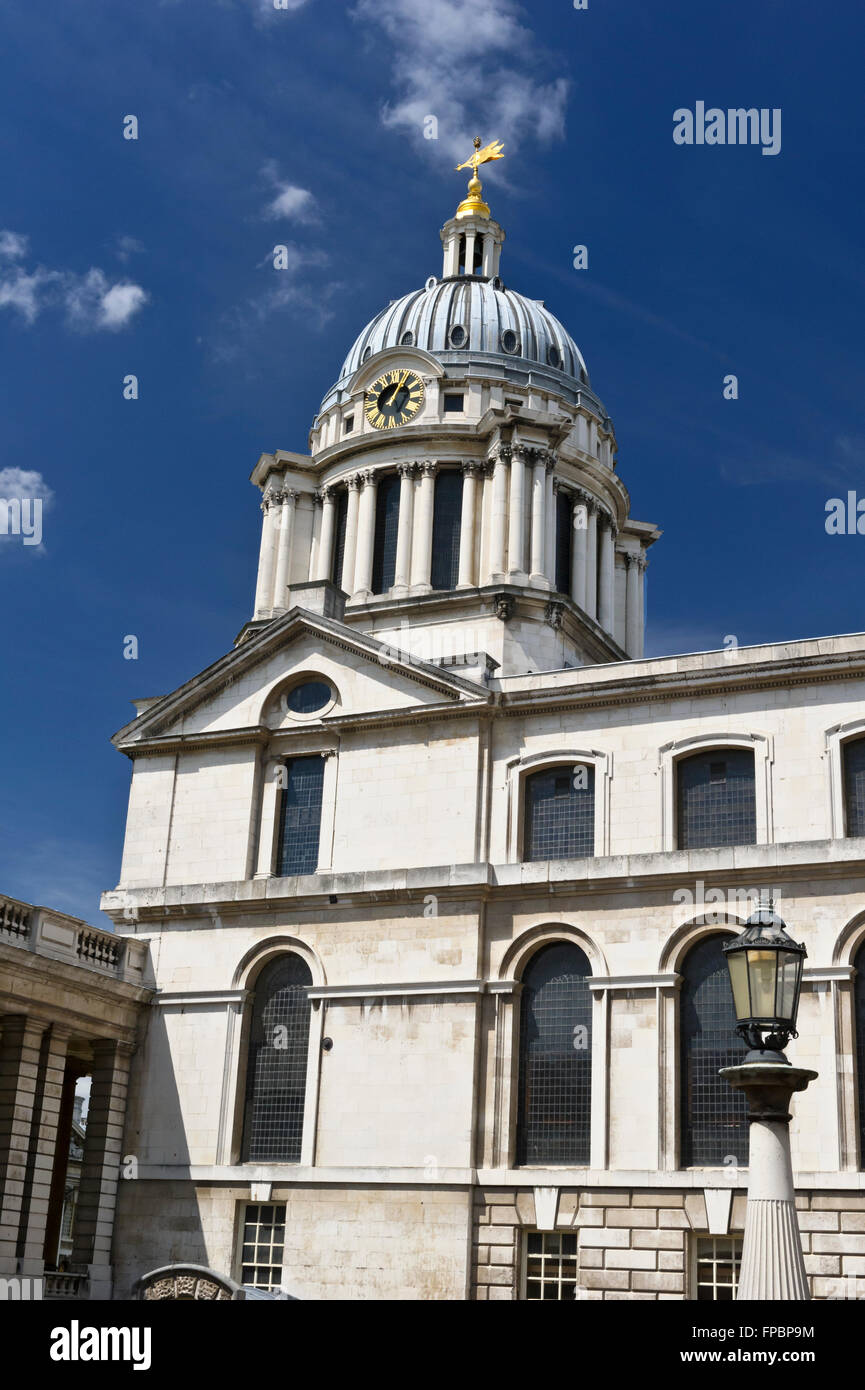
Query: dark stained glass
<point x="560" y="813"/>
<point x="555" y="1091"/>
<point x="300" y="816"/>
<point x="447" y="512"/>
<point x="276" y="1066"/>
<point x="715" y="799"/>
<point x="564" y="541"/>
<point x="339" y="537"/>
<point x="386" y="525"/>
<point x="714" y="1117"/>
<point x="854" y="786"/>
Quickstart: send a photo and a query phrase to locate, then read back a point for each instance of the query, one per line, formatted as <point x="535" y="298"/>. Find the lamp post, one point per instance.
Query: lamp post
<point x="765" y="967"/>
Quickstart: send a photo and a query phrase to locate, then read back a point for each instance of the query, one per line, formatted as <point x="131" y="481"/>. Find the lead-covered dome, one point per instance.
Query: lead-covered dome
<point x="464" y="316"/>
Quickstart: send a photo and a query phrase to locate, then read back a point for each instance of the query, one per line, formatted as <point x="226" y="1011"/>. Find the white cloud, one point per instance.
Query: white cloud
<point x="12" y="245"/>
<point x="472" y="66"/>
<point x="289" y="200"/>
<point x="92" y="302"/>
<point x="128" y="246"/>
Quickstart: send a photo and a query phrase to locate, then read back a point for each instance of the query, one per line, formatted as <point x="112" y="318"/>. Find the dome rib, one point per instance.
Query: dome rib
<point x="485" y="312"/>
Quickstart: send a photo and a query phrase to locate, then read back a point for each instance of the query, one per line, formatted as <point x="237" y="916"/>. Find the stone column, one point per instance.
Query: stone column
<point x="516" y="518"/>
<point x="20" y="1049"/>
<point x="470" y="252"/>
<point x="633" y="604"/>
<point x="42" y="1151"/>
<point x="285" y="529"/>
<point x="579" y="550"/>
<point x="466" y="575"/>
<point x="773" y="1267"/>
<point x="402" y="567"/>
<point x="271" y="786"/>
<point x="537" y="574"/>
<point x="605" y="575"/>
<point x="365" y="536"/>
<point x="100" y="1170"/>
<point x="267" y="555"/>
<point x="498" y="521"/>
<point x="324" y="555"/>
<point x="641" y="641"/>
<point x="592" y="559"/>
<point x="550" y="508"/>
<point x="421" y="556"/>
<point x="350" y="549"/>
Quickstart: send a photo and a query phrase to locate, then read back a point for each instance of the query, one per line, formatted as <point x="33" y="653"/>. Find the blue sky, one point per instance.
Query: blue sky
<point x="304" y="126"/>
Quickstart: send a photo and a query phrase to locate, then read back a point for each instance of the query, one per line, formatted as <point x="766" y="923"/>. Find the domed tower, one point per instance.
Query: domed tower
<point x="460" y="499"/>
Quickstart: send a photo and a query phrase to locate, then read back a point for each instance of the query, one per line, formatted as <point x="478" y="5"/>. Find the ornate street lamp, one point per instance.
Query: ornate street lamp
<point x="765" y="967"/>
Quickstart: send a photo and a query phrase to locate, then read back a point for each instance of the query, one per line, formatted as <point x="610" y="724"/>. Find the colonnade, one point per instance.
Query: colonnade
<point x="521" y="548"/>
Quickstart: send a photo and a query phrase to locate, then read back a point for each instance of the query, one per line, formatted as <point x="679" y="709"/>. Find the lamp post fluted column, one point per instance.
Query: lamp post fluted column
<point x="773" y="1266"/>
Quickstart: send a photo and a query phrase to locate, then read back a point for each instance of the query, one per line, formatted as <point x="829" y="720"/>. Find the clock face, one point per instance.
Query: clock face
<point x="393" y="399"/>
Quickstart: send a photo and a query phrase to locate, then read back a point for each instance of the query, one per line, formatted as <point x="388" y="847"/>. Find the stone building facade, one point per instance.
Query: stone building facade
<point x="434" y="865"/>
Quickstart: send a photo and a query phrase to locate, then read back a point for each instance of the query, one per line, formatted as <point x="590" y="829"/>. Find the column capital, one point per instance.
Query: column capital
<point x="365" y="477"/>
<point x="406" y="470"/>
<point x="549" y="460"/>
<point x="472" y="467"/>
<point x="500" y="453"/>
<point x="352" y="482"/>
<point x="427" y="468"/>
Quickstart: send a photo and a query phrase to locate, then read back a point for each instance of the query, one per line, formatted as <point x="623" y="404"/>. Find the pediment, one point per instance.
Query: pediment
<point x="249" y="687"/>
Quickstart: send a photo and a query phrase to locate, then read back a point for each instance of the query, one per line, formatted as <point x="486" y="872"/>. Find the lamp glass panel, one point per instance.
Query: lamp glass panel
<point x="737" y="963"/>
<point x="788" y="984"/>
<point x="761" y="969"/>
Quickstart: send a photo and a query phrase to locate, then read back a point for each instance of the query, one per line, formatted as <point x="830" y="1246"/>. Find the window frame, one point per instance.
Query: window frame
<point x="736" y="1238"/>
<point x="242" y="1207"/>
<point x="762" y="746"/>
<point x="836" y="740"/>
<point x="560" y="1231"/>
<point x="520" y="768"/>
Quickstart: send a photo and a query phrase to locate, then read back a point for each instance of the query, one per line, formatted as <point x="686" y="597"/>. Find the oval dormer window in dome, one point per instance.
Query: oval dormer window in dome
<point x="308" y="697"/>
<point x="457" y="336"/>
<point x="407" y="339"/>
<point x="367" y="353"/>
<point x="510" y="341"/>
<point x="554" y="357"/>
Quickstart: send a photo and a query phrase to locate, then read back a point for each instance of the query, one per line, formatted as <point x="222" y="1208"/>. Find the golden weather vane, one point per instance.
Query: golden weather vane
<point x="474" y="203"/>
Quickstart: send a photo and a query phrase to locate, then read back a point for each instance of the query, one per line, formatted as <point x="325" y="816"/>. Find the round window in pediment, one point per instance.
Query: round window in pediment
<point x="308" y="697"/>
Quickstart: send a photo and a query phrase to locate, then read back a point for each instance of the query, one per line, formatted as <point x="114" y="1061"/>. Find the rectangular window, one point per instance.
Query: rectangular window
<point x="717" y="1263"/>
<point x="453" y="405"/>
<point x="348" y="424"/>
<point x="447" y="513"/>
<point x="300" y="816"/>
<point x="262" y="1245"/>
<point x="512" y="400"/>
<point x="550" y="1267"/>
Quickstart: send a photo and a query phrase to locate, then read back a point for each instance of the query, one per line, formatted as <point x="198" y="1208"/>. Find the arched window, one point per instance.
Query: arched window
<point x="339" y="536"/>
<point x="564" y="527"/>
<point x="859" y="1005"/>
<point x="555" y="1087"/>
<point x="300" y="815"/>
<point x="714" y="1117"/>
<point x="386" y="525"/>
<point x="276" y="1065"/>
<point x="715" y="802"/>
<point x="854" y="786"/>
<point x="447" y="511"/>
<point x="560" y="813"/>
